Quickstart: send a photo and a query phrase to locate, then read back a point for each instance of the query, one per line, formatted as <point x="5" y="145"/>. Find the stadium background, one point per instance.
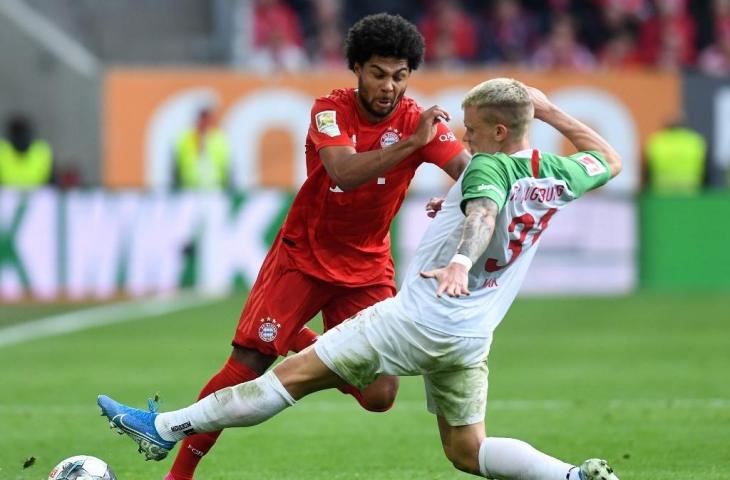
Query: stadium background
<point x="111" y="280"/>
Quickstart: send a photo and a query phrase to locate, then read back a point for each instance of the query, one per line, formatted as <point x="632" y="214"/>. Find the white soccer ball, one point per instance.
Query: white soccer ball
<point x="82" y="467"/>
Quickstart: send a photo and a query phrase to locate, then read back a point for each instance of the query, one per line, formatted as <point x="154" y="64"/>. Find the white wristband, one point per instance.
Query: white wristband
<point x="462" y="260"/>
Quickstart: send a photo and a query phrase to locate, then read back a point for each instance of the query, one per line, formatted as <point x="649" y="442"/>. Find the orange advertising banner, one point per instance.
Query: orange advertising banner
<point x="266" y="118"/>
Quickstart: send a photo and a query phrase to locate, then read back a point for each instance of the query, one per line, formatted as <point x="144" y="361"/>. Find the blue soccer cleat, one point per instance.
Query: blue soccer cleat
<point x="137" y="424"/>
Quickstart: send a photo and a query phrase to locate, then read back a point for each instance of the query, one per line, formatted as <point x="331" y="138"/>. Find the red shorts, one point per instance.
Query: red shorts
<point x="283" y="299"/>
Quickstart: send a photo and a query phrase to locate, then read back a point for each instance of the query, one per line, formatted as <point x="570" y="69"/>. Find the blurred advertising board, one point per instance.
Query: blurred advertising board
<point x="97" y="244"/>
<point x="266" y="117"/>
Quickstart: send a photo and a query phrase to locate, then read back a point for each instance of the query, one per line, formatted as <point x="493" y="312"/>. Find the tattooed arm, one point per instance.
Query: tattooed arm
<point x="478" y="227"/>
<point x="476" y="233"/>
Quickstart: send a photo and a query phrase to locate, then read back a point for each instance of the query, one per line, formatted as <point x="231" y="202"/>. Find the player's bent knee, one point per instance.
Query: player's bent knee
<point x="464" y="461"/>
<point x="463" y="452"/>
<point x="380" y="396"/>
<point x="378" y="405"/>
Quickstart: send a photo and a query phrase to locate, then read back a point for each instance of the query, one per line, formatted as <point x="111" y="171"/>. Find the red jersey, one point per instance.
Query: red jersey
<point x="342" y="236"/>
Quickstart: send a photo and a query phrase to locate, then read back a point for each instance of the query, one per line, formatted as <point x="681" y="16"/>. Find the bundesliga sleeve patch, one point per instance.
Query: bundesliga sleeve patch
<point x="327" y="123"/>
<point x="591" y="165"/>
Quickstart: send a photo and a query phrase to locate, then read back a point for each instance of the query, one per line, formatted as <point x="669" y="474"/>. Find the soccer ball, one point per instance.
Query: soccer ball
<point x="82" y="467"/>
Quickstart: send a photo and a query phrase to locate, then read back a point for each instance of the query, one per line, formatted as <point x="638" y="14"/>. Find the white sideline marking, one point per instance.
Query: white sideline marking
<point x="97" y="316"/>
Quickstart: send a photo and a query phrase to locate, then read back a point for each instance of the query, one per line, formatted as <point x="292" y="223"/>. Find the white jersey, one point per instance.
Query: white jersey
<point x="529" y="187"/>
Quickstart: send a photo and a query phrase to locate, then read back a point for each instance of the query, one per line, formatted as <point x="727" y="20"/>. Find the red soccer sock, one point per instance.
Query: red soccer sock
<point x="193" y="448"/>
<point x="304" y="338"/>
<point x="350" y="390"/>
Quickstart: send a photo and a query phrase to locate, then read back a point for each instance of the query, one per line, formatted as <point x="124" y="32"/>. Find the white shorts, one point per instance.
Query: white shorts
<point x="383" y="340"/>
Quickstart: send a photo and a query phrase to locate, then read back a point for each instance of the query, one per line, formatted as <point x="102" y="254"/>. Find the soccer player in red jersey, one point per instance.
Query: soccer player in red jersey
<point x="332" y="255"/>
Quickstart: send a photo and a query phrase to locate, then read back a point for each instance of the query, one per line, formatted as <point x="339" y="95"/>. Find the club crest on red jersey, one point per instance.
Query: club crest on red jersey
<point x="268" y="329"/>
<point x="390" y="137"/>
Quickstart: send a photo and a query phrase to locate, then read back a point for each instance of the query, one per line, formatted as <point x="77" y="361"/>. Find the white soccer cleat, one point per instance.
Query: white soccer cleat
<point x="596" y="469"/>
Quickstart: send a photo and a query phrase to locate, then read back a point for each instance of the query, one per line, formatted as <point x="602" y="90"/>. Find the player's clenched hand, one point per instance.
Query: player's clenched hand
<point x="434" y="206"/>
<point x="453" y="280"/>
<point x="426" y="129"/>
<point x="541" y="103"/>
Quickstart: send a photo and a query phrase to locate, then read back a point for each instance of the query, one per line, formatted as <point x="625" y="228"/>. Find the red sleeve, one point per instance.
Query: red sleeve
<point x="443" y="147"/>
<point x="329" y="125"/>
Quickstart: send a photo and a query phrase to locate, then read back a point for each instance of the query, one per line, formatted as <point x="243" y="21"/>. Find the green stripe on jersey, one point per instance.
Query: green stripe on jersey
<point x="493" y="175"/>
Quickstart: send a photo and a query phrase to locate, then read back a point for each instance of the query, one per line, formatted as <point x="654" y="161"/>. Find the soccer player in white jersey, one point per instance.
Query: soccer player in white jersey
<point x="467" y="271"/>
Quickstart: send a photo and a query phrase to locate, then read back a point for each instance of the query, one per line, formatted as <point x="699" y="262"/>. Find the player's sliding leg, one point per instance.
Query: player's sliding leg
<point x="242" y="366"/>
<point x="471" y="451"/>
<point x="458" y="398"/>
<point x="380" y="395"/>
<point x="377" y="397"/>
<point x="460" y="444"/>
<point x="243" y="405"/>
<point x="508" y="458"/>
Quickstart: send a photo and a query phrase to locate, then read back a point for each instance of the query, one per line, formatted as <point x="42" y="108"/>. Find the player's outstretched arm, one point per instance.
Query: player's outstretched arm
<point x="580" y="135"/>
<point x="481" y="214"/>
<point x="349" y="169"/>
<point x="477" y="230"/>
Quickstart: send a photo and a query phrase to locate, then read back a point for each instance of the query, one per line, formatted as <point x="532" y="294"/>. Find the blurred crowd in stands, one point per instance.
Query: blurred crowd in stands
<point x="575" y="35"/>
<point x="291" y="35"/>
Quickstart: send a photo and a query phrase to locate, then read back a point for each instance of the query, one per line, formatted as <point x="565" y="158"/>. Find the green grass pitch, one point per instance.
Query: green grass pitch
<point x="643" y="381"/>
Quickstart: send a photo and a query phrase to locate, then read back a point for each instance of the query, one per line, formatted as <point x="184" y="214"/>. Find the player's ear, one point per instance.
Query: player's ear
<point x="500" y="132"/>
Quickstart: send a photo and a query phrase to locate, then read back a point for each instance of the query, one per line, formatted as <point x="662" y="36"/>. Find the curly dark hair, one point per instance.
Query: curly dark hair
<point x="384" y="35"/>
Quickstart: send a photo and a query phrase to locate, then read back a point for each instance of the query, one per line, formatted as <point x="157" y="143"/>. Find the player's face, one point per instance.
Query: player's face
<point x="480" y="136"/>
<point x="381" y="83"/>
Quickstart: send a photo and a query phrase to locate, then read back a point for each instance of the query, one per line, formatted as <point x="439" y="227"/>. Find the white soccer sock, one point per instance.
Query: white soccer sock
<point x="510" y="459"/>
<point x="242" y="405"/>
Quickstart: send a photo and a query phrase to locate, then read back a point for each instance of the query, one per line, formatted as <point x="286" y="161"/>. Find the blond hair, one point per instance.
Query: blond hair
<point x="502" y="100"/>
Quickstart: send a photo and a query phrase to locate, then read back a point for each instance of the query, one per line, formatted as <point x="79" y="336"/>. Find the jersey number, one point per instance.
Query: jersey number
<point x="515" y="245"/>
